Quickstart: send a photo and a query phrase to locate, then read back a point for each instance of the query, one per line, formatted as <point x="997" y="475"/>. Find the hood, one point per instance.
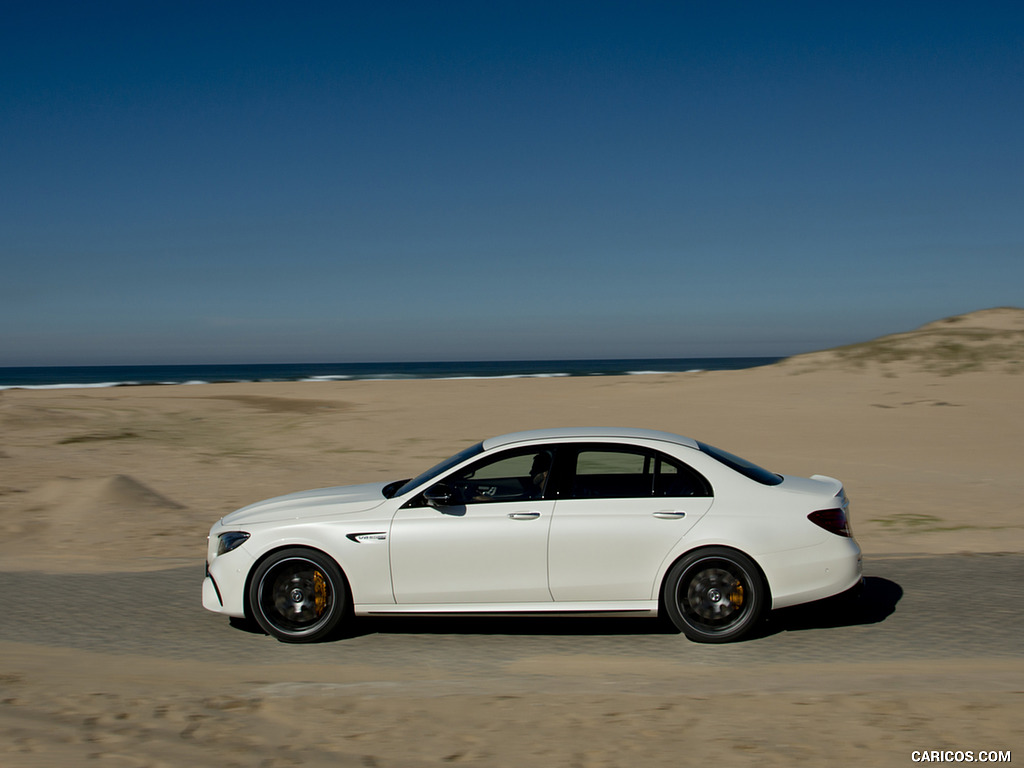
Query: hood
<point x="323" y="501"/>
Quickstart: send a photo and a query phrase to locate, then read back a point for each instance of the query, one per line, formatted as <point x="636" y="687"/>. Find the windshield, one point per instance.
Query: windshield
<point x="441" y="468"/>
<point x="744" y="467"/>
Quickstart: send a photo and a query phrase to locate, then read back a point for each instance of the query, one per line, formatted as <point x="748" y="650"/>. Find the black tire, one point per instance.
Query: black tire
<point x="298" y="595"/>
<point x="714" y="595"/>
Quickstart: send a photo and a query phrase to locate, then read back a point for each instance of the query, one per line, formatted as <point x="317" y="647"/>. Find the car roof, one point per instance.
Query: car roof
<point x="588" y="433"/>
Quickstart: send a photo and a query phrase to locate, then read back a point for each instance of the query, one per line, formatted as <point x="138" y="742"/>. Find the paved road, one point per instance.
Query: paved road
<point x="969" y="606"/>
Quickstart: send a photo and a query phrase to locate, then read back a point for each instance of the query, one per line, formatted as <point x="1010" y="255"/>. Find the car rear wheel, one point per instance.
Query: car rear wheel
<point x="714" y="595"/>
<point x="298" y="595"/>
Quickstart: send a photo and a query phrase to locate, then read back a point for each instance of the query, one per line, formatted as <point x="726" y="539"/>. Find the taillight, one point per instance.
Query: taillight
<point x="832" y="520"/>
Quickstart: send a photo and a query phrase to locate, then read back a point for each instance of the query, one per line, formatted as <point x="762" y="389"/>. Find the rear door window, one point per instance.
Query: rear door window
<point x="617" y="472"/>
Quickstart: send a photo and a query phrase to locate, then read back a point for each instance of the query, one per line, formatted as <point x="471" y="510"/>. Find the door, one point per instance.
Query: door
<point x="619" y="513"/>
<point x="485" y="543"/>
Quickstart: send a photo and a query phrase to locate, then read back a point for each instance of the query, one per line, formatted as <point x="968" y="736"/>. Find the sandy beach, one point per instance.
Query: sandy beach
<point x="128" y="481"/>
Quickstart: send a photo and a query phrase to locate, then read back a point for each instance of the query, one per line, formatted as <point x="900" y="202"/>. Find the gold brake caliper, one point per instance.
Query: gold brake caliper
<point x="319" y="592"/>
<point x="736" y="596"/>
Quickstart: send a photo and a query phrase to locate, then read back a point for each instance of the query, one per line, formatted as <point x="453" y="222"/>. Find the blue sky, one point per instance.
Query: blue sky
<point x="266" y="182"/>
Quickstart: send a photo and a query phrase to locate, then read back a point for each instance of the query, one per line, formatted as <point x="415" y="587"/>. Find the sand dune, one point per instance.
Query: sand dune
<point x="66" y="517"/>
<point x="987" y="340"/>
<point x="98" y="498"/>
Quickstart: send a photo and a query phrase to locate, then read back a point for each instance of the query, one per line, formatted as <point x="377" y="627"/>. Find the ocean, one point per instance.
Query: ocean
<point x="70" y="377"/>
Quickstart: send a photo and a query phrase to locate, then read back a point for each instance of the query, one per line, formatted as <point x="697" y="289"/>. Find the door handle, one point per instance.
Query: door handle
<point x="670" y="514"/>
<point x="523" y="515"/>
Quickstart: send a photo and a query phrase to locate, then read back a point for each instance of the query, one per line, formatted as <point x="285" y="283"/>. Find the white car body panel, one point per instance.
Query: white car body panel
<point x="478" y="553"/>
<point x="323" y="501"/>
<point x="556" y="555"/>
<point x="611" y="549"/>
<point x="665" y="440"/>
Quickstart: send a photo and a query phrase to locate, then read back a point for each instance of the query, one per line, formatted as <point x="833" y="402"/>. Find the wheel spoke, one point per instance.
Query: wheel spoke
<point x="712" y="596"/>
<point x="298" y="595"/>
<point x="295" y="595"/>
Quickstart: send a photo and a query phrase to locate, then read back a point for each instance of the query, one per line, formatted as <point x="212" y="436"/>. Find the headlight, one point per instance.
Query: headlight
<point x="231" y="540"/>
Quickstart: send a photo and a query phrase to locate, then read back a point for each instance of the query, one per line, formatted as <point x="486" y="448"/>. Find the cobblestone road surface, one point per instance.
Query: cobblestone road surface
<point x="966" y="606"/>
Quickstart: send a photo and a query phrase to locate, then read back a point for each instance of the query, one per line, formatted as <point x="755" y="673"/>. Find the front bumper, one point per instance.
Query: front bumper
<point x="224" y="585"/>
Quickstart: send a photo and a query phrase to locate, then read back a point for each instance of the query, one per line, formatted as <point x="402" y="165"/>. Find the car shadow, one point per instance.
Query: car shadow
<point x="506" y="625"/>
<point x="483" y="625"/>
<point x="246" y="625"/>
<point x="875" y="603"/>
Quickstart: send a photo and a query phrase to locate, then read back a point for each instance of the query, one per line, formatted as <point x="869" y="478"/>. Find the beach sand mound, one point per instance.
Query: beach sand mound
<point x="66" y="513"/>
<point x="987" y="340"/>
<point x="94" y="496"/>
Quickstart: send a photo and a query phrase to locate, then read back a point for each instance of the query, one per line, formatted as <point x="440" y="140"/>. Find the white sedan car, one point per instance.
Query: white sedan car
<point x="591" y="521"/>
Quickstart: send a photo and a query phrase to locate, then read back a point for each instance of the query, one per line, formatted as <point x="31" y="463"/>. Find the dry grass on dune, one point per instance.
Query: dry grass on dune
<point x="987" y="340"/>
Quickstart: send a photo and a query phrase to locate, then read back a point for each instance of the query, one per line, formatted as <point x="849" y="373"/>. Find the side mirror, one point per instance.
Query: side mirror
<point x="439" y="495"/>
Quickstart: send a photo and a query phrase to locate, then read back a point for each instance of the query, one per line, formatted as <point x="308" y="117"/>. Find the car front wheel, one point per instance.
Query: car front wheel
<point x="714" y="595"/>
<point x="298" y="595"/>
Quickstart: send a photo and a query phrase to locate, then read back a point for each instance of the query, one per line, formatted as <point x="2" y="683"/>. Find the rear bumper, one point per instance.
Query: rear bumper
<point x="821" y="571"/>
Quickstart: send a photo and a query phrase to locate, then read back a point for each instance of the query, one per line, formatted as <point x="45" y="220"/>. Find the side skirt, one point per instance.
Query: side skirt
<point x="617" y="608"/>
